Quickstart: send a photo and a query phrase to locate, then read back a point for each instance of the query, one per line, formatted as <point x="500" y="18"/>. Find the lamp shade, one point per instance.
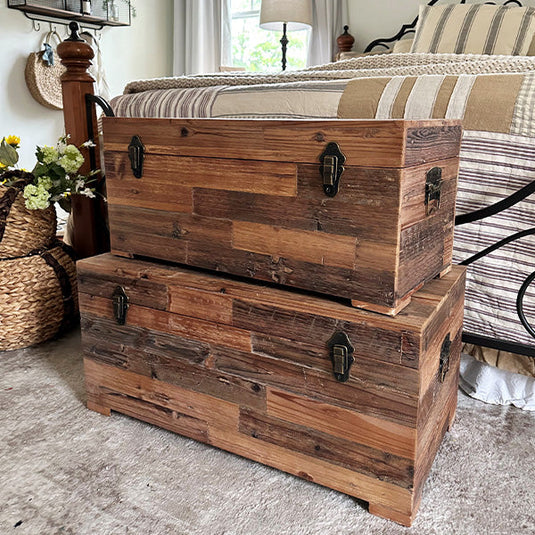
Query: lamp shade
<point x="297" y="14"/>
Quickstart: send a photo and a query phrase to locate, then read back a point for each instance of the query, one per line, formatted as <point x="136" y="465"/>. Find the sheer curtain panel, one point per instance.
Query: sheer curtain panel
<point x="328" y="19"/>
<point x="201" y="36"/>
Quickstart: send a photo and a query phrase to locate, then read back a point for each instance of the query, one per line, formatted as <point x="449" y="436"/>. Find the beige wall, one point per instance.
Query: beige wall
<point x="143" y="50"/>
<point x="371" y="19"/>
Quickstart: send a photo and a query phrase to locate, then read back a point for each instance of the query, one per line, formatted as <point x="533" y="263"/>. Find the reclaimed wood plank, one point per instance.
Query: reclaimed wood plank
<point x="429" y="142"/>
<point x="364" y="142"/>
<point x="179" y="369"/>
<point x="313" y="469"/>
<point x="370" y="339"/>
<point x="217" y="413"/>
<point x="338" y="451"/>
<point x="191" y="328"/>
<point x="198" y="304"/>
<point x="314" y="247"/>
<point x="316" y="355"/>
<point x="123" y="188"/>
<point x="363" y="208"/>
<point x="162" y="173"/>
<point x="369" y="399"/>
<point x="339" y="422"/>
<point x="412" y="319"/>
<point x="140" y="291"/>
<point x="155" y="414"/>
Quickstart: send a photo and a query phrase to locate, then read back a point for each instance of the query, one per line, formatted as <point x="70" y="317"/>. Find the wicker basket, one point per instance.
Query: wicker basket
<point x="21" y="230"/>
<point x="38" y="297"/>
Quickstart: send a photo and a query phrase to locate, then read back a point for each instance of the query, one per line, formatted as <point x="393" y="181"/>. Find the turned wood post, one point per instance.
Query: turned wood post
<point x="90" y="234"/>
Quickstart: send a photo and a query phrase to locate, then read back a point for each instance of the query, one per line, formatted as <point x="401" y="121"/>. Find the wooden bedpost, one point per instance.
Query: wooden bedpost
<point x="90" y="234"/>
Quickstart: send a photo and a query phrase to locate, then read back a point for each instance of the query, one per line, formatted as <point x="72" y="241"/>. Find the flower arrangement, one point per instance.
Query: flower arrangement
<point x="55" y="176"/>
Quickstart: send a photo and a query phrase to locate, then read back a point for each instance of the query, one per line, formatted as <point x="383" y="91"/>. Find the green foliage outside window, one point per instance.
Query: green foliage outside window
<point x="260" y="50"/>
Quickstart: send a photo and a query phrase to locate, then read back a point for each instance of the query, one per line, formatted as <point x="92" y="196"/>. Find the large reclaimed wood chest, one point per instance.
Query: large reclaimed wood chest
<point x="347" y="398"/>
<point x="357" y="209"/>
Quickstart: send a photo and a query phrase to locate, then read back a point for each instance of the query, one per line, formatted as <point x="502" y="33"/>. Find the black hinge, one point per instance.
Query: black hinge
<point x="341" y="355"/>
<point x="444" y="364"/>
<point x="332" y="166"/>
<point x="120" y="305"/>
<point x="136" y="153"/>
<point x="433" y="187"/>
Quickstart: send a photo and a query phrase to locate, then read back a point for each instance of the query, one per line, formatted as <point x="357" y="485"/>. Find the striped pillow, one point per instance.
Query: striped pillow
<point x="474" y="29"/>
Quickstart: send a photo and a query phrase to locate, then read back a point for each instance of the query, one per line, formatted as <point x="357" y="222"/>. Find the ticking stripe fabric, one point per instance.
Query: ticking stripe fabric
<point x="493" y="95"/>
<point x="491" y="102"/>
<point x="474" y="29"/>
<point x="492" y="167"/>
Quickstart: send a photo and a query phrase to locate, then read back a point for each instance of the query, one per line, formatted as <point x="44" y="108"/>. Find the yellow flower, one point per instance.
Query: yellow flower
<point x="2" y="166"/>
<point x="14" y="141"/>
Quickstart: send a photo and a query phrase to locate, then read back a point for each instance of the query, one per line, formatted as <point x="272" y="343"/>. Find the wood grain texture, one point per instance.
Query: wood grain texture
<point x="90" y="235"/>
<point x="365" y="142"/>
<point x="257" y="208"/>
<point x="166" y="173"/>
<point x="246" y="367"/>
<point x="225" y="435"/>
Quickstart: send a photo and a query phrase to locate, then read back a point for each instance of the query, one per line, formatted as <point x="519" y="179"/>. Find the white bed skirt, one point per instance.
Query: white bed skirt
<point x="492" y="385"/>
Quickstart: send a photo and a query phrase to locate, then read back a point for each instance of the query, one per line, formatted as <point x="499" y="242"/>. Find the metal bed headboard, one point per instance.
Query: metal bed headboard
<point x="407" y="29"/>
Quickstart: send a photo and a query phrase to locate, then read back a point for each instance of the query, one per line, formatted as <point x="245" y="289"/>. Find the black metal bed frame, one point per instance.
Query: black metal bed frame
<point x="406" y="29"/>
<point x="518" y="196"/>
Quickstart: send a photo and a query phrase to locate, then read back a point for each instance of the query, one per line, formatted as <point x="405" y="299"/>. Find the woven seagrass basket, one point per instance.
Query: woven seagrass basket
<point x="38" y="297"/>
<point x="23" y="230"/>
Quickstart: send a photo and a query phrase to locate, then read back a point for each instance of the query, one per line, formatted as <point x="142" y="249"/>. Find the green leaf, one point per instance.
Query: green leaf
<point x="40" y="169"/>
<point x="8" y="155"/>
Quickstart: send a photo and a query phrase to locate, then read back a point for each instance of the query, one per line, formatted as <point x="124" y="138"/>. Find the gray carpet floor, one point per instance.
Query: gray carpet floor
<point x="67" y="470"/>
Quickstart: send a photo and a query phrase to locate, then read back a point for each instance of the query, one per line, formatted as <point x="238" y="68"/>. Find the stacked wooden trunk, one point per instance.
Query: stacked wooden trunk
<point x="343" y="368"/>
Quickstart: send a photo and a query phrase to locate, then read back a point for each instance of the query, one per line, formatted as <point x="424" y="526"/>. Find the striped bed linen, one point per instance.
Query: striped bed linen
<point x="497" y="156"/>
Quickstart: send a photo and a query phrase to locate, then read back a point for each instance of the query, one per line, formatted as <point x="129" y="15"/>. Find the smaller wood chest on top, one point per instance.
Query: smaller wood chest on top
<point x="353" y="400"/>
<point x="353" y="208"/>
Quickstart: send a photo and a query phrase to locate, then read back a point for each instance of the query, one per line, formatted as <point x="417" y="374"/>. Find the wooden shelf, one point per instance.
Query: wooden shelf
<point x="45" y="13"/>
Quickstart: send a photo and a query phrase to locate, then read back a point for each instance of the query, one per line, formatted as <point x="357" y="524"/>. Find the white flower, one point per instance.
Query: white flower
<point x="88" y="144"/>
<point x="88" y="193"/>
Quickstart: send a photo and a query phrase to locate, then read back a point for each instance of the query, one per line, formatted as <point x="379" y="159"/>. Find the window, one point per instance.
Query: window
<point x="260" y="50"/>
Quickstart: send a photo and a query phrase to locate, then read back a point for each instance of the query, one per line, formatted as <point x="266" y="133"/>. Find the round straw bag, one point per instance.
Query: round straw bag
<point x="43" y="80"/>
<point x="38" y="297"/>
<point x="23" y="230"/>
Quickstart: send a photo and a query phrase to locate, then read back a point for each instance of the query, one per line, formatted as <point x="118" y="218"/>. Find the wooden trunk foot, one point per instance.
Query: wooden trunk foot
<point x="388" y="311"/>
<point x="444" y="272"/>
<point x="391" y="514"/>
<point x="106" y="411"/>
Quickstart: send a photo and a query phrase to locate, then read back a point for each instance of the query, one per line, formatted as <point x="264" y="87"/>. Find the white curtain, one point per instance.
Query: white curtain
<point x="328" y="19"/>
<point x="201" y="35"/>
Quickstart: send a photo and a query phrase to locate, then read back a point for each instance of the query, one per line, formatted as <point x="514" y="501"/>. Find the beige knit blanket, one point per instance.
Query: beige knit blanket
<point x="362" y="67"/>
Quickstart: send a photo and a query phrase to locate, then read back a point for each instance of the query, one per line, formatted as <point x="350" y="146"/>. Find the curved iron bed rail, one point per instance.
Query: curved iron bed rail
<point x="488" y="211"/>
<point x="411" y="28"/>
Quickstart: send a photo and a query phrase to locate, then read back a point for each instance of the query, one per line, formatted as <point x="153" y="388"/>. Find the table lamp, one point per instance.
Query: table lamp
<point x="292" y="14"/>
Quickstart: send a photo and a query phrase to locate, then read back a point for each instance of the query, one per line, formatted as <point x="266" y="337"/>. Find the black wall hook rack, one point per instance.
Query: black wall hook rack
<point x="103" y="13"/>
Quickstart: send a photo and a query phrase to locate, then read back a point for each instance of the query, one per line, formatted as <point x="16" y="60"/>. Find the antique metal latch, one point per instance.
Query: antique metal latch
<point x="433" y="186"/>
<point x="136" y="153"/>
<point x="332" y="166"/>
<point x="444" y="364"/>
<point x="120" y="305"/>
<point x="341" y="355"/>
